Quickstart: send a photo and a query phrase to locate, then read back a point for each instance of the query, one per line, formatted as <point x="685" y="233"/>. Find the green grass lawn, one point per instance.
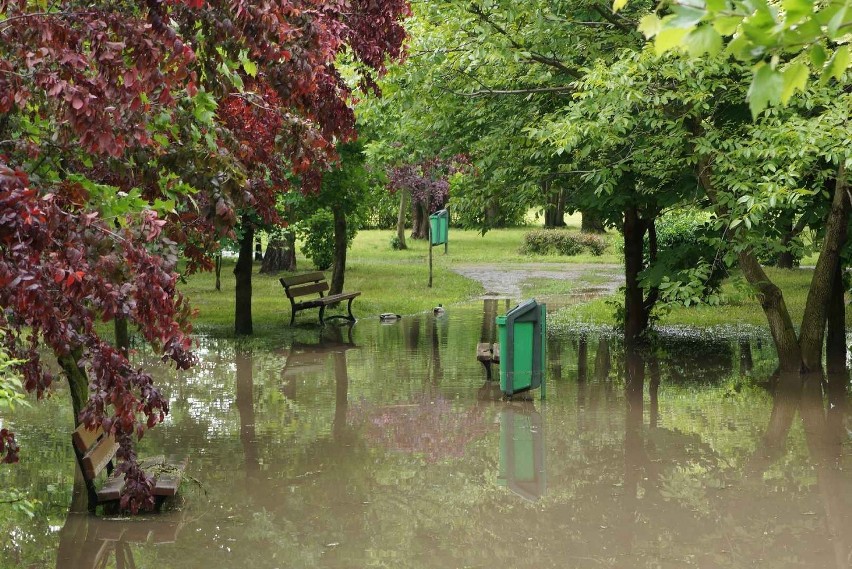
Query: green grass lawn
<point x="396" y="281"/>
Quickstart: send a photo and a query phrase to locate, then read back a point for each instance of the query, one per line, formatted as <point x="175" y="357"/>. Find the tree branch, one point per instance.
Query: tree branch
<point x="530" y="91"/>
<point x="607" y="15"/>
<point x="534" y="56"/>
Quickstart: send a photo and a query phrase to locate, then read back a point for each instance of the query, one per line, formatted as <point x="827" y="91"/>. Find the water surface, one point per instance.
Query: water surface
<point x="383" y="446"/>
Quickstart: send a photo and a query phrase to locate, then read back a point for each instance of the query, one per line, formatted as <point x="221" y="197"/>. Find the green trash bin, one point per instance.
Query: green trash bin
<point x="439" y="224"/>
<point x="522" y="347"/>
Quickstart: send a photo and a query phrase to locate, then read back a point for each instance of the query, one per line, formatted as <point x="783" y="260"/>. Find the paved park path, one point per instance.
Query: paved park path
<point x="581" y="279"/>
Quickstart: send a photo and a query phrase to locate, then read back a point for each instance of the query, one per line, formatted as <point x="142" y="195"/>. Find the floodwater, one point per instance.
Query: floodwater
<point x="382" y="445"/>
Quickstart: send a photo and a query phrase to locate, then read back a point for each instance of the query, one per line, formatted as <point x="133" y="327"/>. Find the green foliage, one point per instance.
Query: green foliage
<point x="395" y="243"/>
<point x="785" y="45"/>
<point x="689" y="269"/>
<point x="317" y="235"/>
<point x="562" y="242"/>
<point x="11" y="388"/>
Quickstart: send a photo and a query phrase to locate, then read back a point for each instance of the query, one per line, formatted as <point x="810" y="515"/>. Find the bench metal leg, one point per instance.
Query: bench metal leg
<point x="349" y="309"/>
<point x="322" y="314"/>
<point x="487" y="366"/>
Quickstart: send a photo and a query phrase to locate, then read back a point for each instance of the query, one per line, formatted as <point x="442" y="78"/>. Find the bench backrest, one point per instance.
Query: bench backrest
<point x="302" y="285"/>
<point x="96" y="448"/>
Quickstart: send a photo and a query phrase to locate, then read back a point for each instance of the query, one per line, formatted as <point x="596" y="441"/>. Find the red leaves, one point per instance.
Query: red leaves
<point x="8" y="447"/>
<point x="61" y="269"/>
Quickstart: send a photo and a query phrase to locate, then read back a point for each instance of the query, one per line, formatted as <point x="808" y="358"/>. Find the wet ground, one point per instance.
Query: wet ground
<point x="581" y="280"/>
<point x="382" y="445"/>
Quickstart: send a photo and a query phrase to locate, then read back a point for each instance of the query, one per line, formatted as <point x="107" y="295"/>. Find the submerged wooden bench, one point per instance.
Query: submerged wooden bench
<point x="488" y="354"/>
<point x="95" y="451"/>
<point x="314" y="283"/>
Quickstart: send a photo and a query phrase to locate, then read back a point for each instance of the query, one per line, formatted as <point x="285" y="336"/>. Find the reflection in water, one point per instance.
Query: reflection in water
<point x="314" y="453"/>
<point x="522" y="462"/>
<point x="89" y="542"/>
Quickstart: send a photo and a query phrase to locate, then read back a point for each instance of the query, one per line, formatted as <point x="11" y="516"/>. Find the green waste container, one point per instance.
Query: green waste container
<point x="439" y="224"/>
<point x="522" y="347"/>
<point x="522" y="468"/>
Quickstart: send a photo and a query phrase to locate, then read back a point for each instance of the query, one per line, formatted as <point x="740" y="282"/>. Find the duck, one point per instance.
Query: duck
<point x="438" y="310"/>
<point x="389" y="317"/>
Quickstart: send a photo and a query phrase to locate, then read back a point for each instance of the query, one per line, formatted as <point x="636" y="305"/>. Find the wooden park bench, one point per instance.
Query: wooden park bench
<point x="95" y="451"/>
<point x="310" y="284"/>
<point x="488" y="354"/>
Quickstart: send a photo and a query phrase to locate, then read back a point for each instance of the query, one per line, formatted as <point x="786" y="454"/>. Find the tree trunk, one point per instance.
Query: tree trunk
<point x="400" y="219"/>
<point x="242" y="272"/>
<point x="654" y="294"/>
<point x="554" y="204"/>
<point x="340" y="246"/>
<point x="771" y="297"/>
<point x="420" y="221"/>
<point x="835" y="342"/>
<point x="633" y="263"/>
<point x="279" y="256"/>
<point x="816" y="308"/>
<point x="219" y="271"/>
<point x="78" y="381"/>
<point x="591" y="223"/>
<point x="122" y="336"/>
<point x="492" y="213"/>
<point x="258" y="250"/>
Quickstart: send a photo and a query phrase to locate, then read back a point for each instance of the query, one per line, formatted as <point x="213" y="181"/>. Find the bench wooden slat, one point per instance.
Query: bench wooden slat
<point x="302" y="279"/>
<point x="99" y="456"/>
<point x="83" y="438"/>
<point x="332" y="298"/>
<point x="305" y="290"/>
<point x="483" y="352"/>
<point x="495" y="353"/>
<point x="167" y="477"/>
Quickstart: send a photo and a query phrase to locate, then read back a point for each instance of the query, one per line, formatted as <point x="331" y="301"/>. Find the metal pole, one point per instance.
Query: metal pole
<point x="430" y="253"/>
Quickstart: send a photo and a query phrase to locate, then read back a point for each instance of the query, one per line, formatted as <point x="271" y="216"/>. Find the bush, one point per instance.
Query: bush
<point x="562" y="242"/>
<point x="395" y="243"/>
<point x="317" y="235"/>
<point x="688" y="268"/>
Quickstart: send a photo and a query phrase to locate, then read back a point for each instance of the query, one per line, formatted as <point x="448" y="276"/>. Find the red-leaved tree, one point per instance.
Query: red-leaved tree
<point x="215" y="105"/>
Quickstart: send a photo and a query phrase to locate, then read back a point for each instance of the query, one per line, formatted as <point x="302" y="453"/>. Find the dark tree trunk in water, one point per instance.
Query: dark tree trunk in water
<point x="122" y="336"/>
<point x="637" y="306"/>
<point x="835" y="341"/>
<point x="816" y="308"/>
<point x="400" y="218"/>
<point x="219" y="271"/>
<point x="242" y="272"/>
<point x="591" y="223"/>
<point x="280" y="255"/>
<point x="771" y="298"/>
<point x="340" y="246"/>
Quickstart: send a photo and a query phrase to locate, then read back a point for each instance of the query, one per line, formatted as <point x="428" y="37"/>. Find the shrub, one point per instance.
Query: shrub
<point x="562" y="242"/>
<point x="688" y="269"/>
<point x="395" y="243"/>
<point x="317" y="234"/>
